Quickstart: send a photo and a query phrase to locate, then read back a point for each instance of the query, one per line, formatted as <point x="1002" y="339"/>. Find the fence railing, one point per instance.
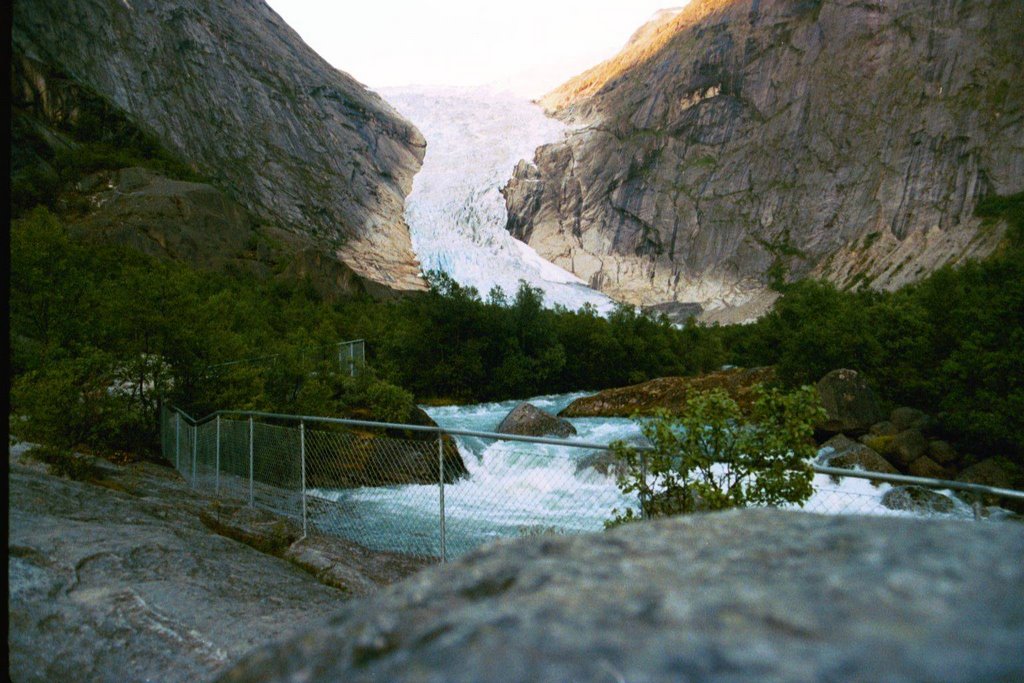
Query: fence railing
<point x="436" y="492"/>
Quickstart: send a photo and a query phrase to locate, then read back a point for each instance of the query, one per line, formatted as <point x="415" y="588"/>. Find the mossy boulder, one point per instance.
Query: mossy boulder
<point x="918" y="499"/>
<point x="851" y="405"/>
<point x="670" y="393"/>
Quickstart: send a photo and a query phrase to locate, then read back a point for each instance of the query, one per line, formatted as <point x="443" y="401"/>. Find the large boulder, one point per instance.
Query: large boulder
<point x="928" y="468"/>
<point x="851" y="405"/>
<point x="527" y="419"/>
<point x="909" y="418"/>
<point x="843" y="452"/>
<point x="998" y="471"/>
<point x="941" y="452"/>
<point x="670" y="393"/>
<point x="740" y="595"/>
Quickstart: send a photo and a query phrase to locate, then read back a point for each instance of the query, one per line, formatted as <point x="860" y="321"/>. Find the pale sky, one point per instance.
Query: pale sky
<point x="529" y="45"/>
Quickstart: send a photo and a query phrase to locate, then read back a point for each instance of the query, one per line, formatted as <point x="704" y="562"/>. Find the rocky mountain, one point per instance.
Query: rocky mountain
<point x="737" y="143"/>
<point x="310" y="154"/>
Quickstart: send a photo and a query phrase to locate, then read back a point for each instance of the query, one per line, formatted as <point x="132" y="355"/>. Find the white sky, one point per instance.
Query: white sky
<point x="528" y="45"/>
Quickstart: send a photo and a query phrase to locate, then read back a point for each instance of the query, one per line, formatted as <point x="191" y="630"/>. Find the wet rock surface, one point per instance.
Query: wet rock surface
<point x="527" y="419"/>
<point x="849" y="454"/>
<point x="119" y="580"/>
<point x="749" y="595"/>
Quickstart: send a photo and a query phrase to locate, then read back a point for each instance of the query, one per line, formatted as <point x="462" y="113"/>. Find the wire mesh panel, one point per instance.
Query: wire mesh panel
<point x="233" y="478"/>
<point x="205" y="456"/>
<point x="377" y="490"/>
<point x="277" y="469"/>
<point x="392" y="488"/>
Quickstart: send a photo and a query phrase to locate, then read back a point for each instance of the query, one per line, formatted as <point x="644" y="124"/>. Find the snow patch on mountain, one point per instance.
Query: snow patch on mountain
<point x="455" y="212"/>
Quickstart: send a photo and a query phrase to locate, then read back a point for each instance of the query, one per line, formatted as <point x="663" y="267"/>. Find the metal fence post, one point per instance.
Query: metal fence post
<point x="177" y="441"/>
<point x="250" y="461"/>
<point x="440" y="469"/>
<point x="195" y="451"/>
<point x="216" y="485"/>
<point x="643" y="488"/>
<point x="302" y="452"/>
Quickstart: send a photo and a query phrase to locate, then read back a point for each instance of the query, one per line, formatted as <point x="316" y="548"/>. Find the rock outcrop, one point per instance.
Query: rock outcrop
<point x="234" y="92"/>
<point x="669" y="393"/>
<point x="744" y="595"/>
<point x="527" y="419"/>
<point x="121" y="579"/>
<point x="737" y="141"/>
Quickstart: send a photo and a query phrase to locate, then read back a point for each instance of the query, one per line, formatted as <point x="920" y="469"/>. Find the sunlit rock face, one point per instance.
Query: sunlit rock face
<point x="235" y="92"/>
<point x="455" y="212"/>
<point x="736" y="141"/>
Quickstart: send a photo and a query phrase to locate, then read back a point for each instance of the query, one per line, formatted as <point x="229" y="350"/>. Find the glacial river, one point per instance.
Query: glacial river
<point x="515" y="489"/>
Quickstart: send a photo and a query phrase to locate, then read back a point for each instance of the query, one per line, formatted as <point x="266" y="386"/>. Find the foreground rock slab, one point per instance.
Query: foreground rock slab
<point x="748" y="595"/>
<point x="119" y="580"/>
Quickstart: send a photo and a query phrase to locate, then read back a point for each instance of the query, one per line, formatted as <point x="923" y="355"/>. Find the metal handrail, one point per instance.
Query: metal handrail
<point x="818" y="469"/>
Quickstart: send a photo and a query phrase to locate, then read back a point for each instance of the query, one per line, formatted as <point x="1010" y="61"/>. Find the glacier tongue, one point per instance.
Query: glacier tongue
<point x="455" y="212"/>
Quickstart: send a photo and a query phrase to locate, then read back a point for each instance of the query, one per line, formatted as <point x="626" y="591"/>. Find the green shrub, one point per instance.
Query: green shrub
<point x="712" y="457"/>
<point x="62" y="462"/>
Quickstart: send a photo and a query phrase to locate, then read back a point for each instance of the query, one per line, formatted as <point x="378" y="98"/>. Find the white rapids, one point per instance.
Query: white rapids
<point x="455" y="212"/>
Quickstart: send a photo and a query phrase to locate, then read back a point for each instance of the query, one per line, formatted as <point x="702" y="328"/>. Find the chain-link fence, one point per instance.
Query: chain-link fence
<point x="438" y="493"/>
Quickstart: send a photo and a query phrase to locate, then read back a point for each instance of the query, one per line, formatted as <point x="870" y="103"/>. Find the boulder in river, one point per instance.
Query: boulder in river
<point x="841" y="451"/>
<point x="527" y="419"/>
<point x="741" y="595"/>
<point x="851" y="405"/>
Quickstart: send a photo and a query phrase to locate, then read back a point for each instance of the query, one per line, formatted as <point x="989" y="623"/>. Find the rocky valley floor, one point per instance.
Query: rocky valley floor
<point x="122" y="579"/>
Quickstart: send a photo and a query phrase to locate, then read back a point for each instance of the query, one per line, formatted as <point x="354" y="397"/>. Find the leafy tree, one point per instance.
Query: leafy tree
<point x="712" y="457"/>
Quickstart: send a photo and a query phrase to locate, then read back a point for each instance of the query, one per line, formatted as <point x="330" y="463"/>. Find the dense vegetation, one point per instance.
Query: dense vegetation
<point x="88" y="317"/>
<point x="100" y="332"/>
<point x="715" y="457"/>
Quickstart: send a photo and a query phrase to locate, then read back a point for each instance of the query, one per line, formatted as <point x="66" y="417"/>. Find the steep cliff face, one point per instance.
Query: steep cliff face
<point x="232" y="90"/>
<point x="739" y="141"/>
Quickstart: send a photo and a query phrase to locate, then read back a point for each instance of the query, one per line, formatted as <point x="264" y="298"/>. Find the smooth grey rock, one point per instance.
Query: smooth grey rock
<point x="527" y="419"/>
<point x="750" y="595"/>
<point x="235" y="92"/>
<point x="851" y="405"/>
<point x="835" y="138"/>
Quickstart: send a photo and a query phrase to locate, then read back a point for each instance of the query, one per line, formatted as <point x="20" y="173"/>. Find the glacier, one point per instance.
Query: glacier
<point x="456" y="214"/>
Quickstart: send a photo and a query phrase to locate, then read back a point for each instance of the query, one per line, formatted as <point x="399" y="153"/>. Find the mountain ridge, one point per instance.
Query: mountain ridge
<point x="238" y="95"/>
<point x="745" y="143"/>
